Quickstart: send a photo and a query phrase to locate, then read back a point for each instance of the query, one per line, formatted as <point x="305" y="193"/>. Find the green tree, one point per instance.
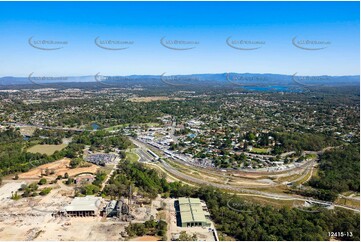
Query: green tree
<point x="42" y="181"/>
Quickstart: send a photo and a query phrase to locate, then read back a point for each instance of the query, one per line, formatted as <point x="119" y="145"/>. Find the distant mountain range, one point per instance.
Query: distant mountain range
<point x="235" y="78"/>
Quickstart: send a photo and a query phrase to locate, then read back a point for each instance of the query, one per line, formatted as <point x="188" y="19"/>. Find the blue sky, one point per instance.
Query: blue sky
<point x="275" y="24"/>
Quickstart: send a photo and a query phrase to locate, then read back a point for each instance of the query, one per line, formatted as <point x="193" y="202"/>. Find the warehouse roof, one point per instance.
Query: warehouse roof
<point x="191" y="210"/>
<point x="88" y="203"/>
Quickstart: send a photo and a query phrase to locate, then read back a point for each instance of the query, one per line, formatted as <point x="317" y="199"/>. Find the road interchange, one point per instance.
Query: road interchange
<point x="142" y="147"/>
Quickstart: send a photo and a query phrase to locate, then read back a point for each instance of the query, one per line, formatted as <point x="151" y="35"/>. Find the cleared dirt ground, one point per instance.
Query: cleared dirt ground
<point x="31" y="218"/>
<point x="146" y="238"/>
<point x="46" y="227"/>
<point x="60" y="167"/>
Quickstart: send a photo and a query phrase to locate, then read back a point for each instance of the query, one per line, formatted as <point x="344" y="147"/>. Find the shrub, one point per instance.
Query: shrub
<point x="45" y="191"/>
<point x="42" y="181"/>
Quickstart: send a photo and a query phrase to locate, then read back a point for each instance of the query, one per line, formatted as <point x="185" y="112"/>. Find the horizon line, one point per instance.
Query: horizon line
<point x="164" y="73"/>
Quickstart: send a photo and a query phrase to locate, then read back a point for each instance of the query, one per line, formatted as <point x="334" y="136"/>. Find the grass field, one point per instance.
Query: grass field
<point x="132" y="156"/>
<point x="46" y="149"/>
<point x="268" y="201"/>
<point x="308" y="176"/>
<point x="280" y="189"/>
<point x="287" y="178"/>
<point x="260" y="150"/>
<point x="348" y="202"/>
<point x="311" y="156"/>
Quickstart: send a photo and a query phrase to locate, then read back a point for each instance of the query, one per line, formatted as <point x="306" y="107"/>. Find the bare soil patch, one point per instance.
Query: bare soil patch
<point x="146" y="238"/>
<point x="60" y="167"/>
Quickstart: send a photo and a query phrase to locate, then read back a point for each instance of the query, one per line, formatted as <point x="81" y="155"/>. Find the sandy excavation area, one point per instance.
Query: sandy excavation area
<point x="146" y="238"/>
<point x="81" y="229"/>
<point x="24" y="219"/>
<point x="31" y="218"/>
<point x="60" y="167"/>
<point x="46" y="227"/>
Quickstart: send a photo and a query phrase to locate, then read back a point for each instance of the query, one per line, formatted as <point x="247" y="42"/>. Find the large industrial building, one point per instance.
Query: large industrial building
<point x="83" y="206"/>
<point x="193" y="212"/>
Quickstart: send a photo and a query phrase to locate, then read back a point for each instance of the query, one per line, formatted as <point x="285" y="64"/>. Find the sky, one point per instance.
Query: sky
<point x="276" y="35"/>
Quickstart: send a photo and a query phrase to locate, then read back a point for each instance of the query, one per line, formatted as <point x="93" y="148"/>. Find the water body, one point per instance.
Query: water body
<point x="273" y="88"/>
<point x="95" y="126"/>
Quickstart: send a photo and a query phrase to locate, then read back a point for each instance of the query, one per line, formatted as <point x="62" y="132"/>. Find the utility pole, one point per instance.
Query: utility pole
<point x="130" y="195"/>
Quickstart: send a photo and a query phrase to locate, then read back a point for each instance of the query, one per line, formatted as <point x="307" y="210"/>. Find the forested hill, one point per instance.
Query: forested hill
<point x="339" y="170"/>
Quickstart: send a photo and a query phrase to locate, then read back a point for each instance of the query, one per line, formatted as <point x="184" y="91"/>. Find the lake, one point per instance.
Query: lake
<point x="272" y="88"/>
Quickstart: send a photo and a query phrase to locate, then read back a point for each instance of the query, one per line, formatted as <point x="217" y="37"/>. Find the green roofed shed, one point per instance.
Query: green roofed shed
<point x="192" y="212"/>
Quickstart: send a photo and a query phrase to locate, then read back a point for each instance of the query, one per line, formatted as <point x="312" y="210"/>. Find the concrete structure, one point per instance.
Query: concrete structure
<point x="84" y="179"/>
<point x="192" y="212"/>
<point x="83" y="206"/>
<point x="119" y="208"/>
<point x="110" y="209"/>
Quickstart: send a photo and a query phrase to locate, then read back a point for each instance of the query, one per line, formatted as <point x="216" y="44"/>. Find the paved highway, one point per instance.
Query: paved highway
<point x="240" y="191"/>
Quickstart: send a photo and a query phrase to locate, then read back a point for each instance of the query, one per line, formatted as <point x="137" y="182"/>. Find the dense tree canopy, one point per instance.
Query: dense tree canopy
<point x="339" y="170"/>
